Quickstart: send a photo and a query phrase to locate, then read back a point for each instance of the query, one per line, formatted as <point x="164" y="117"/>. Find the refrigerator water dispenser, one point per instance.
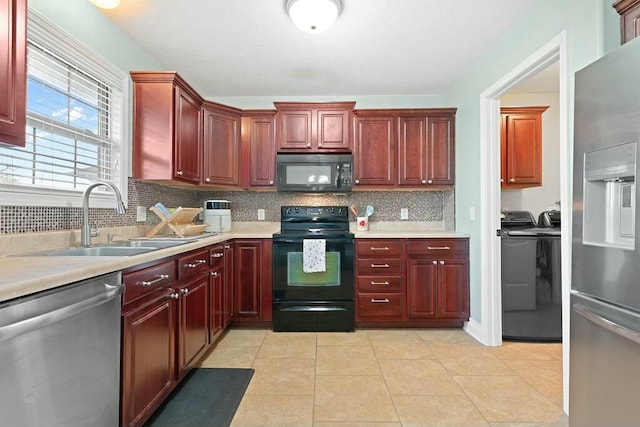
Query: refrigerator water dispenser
<point x="610" y="196"/>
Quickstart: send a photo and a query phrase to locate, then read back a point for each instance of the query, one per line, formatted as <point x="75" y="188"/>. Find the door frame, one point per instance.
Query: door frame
<point x="491" y="314"/>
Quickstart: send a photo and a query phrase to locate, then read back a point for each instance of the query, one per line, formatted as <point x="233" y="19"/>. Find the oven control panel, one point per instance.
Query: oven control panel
<point x="310" y="212"/>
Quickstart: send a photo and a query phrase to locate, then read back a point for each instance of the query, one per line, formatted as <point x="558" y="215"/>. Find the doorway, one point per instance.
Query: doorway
<point x="491" y="304"/>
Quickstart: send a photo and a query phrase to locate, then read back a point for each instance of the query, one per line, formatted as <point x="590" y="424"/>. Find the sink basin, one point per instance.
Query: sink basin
<point x="156" y="243"/>
<point x="124" y="248"/>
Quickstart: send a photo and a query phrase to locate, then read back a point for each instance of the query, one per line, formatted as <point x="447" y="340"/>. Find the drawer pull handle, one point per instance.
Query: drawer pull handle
<point x="383" y="301"/>
<point x="159" y="278"/>
<point x="440" y="248"/>
<point x="380" y="283"/>
<point x="195" y="264"/>
<point x="380" y="265"/>
<point x="379" y="249"/>
<point x="218" y="255"/>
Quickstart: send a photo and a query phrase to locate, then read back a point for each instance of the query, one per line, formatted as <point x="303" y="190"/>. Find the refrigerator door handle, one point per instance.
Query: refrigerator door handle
<point x="606" y="323"/>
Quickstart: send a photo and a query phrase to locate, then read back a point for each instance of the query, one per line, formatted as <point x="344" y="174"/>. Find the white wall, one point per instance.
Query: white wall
<point x="538" y="199"/>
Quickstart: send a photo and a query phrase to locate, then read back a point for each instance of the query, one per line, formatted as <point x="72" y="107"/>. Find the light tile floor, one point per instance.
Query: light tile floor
<point x="391" y="378"/>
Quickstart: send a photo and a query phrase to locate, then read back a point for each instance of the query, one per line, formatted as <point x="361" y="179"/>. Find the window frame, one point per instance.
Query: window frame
<point x="47" y="197"/>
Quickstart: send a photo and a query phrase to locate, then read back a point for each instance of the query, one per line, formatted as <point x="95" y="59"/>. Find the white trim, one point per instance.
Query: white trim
<point x="474" y="329"/>
<point x="491" y="314"/>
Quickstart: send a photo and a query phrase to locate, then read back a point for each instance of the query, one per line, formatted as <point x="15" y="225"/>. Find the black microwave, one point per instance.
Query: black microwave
<point x="314" y="173"/>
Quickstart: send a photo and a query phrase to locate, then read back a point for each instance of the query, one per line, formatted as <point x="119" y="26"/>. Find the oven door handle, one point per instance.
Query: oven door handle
<point x="328" y="239"/>
<point x="308" y="308"/>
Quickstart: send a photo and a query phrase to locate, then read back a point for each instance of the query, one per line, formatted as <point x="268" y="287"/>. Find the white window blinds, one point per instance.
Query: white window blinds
<point x="74" y="116"/>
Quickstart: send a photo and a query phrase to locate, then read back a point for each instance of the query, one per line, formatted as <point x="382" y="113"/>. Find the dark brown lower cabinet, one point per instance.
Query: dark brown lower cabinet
<point x="252" y="281"/>
<point x="193" y="314"/>
<point x="437" y="279"/>
<point x="148" y="355"/>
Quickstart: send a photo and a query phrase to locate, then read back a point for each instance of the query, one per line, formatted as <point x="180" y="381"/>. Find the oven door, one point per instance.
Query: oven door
<point x="291" y="283"/>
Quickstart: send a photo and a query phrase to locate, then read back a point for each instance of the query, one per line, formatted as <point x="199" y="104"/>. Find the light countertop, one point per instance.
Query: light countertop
<point x="27" y="274"/>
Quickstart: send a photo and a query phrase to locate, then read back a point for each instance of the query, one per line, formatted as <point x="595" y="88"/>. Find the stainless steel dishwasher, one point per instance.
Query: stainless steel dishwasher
<point x="60" y="356"/>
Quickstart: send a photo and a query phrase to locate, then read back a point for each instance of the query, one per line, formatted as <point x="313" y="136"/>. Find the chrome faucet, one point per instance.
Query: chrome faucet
<point x="86" y="232"/>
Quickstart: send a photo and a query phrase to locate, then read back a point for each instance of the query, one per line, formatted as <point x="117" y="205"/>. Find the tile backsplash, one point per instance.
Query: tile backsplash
<point x="430" y="206"/>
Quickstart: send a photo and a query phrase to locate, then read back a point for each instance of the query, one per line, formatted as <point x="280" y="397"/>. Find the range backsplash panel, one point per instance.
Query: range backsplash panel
<point x="422" y="206"/>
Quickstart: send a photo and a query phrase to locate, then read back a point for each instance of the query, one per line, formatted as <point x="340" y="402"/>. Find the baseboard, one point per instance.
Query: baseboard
<point x="474" y="329"/>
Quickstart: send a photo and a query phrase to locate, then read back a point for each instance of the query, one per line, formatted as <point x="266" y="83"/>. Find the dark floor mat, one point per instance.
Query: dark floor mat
<point x="207" y="397"/>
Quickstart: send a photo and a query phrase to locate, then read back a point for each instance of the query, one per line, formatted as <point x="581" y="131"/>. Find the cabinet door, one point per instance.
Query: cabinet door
<point x="412" y="151"/>
<point x="453" y="289"/>
<point x="248" y="279"/>
<point x="148" y="351"/>
<point x="629" y="11"/>
<point x="193" y="334"/>
<point x="13" y="71"/>
<point x="440" y="151"/>
<point x="188" y="141"/>
<point x="522" y="143"/>
<point x="422" y="276"/>
<point x="228" y="284"/>
<point x="216" y="305"/>
<point x="221" y="148"/>
<point x="294" y="129"/>
<point x="374" y="151"/>
<point x="333" y="130"/>
<point x="261" y="150"/>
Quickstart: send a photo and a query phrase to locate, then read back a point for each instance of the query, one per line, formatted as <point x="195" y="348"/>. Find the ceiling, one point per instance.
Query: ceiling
<point x="376" y="47"/>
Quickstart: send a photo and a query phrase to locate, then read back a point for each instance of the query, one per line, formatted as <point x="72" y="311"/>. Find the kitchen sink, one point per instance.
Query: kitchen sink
<point x="123" y="248"/>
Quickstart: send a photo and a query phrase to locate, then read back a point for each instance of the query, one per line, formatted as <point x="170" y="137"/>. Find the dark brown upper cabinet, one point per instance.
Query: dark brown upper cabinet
<point x="319" y="127"/>
<point x="13" y="72"/>
<point x="629" y="11"/>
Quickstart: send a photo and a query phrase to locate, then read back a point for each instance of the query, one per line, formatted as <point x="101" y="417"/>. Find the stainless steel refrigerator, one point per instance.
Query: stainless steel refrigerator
<point x="604" y="375"/>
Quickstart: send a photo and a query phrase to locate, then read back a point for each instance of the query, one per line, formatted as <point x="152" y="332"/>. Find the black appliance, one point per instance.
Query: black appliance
<point x="531" y="279"/>
<point x="321" y="300"/>
<point x="549" y="219"/>
<point x="314" y="173"/>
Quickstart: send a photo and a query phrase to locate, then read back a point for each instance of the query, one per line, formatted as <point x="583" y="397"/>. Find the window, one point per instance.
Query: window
<point x="75" y="104"/>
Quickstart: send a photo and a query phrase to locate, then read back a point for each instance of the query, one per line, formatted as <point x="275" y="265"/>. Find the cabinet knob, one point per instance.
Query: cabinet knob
<point x="424" y="181"/>
<point x="179" y="173"/>
<point x="429" y="181"/>
<point x="173" y="295"/>
<point x="501" y="179"/>
<point x="227" y="246"/>
<point x="214" y="274"/>
<point x="357" y="181"/>
<point x="270" y="182"/>
<point x="184" y="291"/>
<point x="512" y="180"/>
<point x="207" y="179"/>
<point x="434" y="262"/>
<point x="441" y="262"/>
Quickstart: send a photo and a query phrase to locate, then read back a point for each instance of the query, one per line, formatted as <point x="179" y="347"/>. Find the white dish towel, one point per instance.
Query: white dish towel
<point x="314" y="255"/>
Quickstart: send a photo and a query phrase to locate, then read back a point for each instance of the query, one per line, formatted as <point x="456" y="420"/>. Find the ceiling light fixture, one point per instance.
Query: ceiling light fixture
<point x="313" y="16"/>
<point x="105" y="4"/>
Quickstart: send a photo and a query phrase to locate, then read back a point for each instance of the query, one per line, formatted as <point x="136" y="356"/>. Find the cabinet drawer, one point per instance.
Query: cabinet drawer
<point x="379" y="267"/>
<point x="379" y="284"/>
<point x="144" y="281"/>
<point x="378" y="305"/>
<point x="437" y="247"/>
<point x="374" y="248"/>
<point x="216" y="257"/>
<point x="193" y="264"/>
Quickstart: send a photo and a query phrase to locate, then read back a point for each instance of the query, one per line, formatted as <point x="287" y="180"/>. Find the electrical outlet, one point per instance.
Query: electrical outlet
<point x="141" y="214"/>
<point x="404" y="213"/>
<point x="472" y="213"/>
<point x="260" y="214"/>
